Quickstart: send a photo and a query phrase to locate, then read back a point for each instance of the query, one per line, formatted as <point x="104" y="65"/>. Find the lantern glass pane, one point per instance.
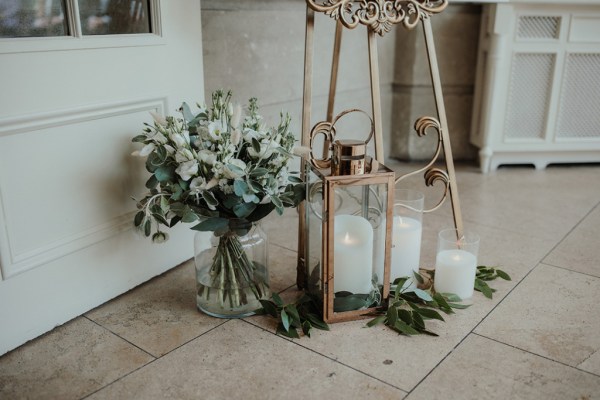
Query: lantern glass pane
<point x="313" y="238"/>
<point x="359" y="245"/>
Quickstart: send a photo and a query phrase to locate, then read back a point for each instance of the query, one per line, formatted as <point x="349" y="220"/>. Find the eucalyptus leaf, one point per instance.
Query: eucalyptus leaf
<point x="317" y="322"/>
<point x="483" y="288"/>
<point x="243" y="210"/>
<point x="186" y="112"/>
<point x="405" y="316"/>
<point x="139" y="218"/>
<point x="212" y="224"/>
<point x="418" y="277"/>
<point x="503" y="274"/>
<point x="376" y="321"/>
<point x="269" y="307"/>
<point x="277" y="299"/>
<point x="292" y="333"/>
<point x="164" y="174"/>
<point x="429" y="313"/>
<point x="422" y="294"/>
<point x="459" y="306"/>
<point x="188" y="215"/>
<point x="306" y="328"/>
<point x="404" y="328"/>
<point x="256" y="145"/>
<point x="285" y="320"/>
<point x="151" y="182"/>
<point x="392" y="315"/>
<point x="147" y="227"/>
<point x="349" y="303"/>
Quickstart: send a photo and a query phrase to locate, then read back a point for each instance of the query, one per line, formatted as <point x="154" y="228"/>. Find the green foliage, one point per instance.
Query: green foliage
<point x="301" y="315"/>
<point x="409" y="308"/>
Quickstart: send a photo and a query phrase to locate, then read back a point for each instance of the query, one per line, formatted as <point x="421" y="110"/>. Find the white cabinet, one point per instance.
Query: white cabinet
<point x="537" y="90"/>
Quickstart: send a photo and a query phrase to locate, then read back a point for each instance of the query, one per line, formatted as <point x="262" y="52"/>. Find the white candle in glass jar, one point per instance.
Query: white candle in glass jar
<point x="406" y="247"/>
<point x="455" y="272"/>
<point x="353" y="254"/>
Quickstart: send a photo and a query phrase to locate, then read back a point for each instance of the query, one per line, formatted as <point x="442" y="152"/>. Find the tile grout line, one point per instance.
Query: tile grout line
<point x="327" y="357"/>
<point x="537" y="355"/>
<point x="119" y="336"/>
<point x="570" y="270"/>
<point x="148" y="363"/>
<point x="472" y="331"/>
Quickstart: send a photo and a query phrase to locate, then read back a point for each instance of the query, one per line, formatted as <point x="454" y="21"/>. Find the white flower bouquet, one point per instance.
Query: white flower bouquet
<point x="221" y="169"/>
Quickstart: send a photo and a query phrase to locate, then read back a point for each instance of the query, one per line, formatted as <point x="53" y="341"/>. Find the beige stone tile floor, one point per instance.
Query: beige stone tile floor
<point x="537" y="339"/>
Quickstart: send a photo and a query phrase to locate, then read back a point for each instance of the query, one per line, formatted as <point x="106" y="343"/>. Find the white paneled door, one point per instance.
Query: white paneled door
<point x="77" y="80"/>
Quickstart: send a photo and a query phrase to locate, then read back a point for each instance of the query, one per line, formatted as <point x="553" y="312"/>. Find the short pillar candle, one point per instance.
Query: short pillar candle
<point x="353" y="254"/>
<point x="456" y="263"/>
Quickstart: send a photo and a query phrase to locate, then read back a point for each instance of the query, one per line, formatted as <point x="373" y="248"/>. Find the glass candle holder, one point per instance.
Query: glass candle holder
<point x="406" y="233"/>
<point x="456" y="263"/>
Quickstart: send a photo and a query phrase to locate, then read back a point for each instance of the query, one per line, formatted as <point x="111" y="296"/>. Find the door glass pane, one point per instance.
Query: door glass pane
<point x="110" y="17"/>
<point x="32" y="18"/>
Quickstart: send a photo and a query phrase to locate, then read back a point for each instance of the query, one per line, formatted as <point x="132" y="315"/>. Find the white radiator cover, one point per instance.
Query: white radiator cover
<point x="537" y="91"/>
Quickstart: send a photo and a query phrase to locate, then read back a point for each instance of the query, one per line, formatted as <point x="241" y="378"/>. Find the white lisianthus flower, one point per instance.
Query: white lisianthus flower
<point x="216" y="129"/>
<point x="179" y="139"/>
<point x="183" y="155"/>
<point x="197" y="184"/>
<point x="157" y="137"/>
<point x="158" y="119"/>
<point x="169" y="149"/>
<point x="266" y="150"/>
<point x="147" y="149"/>
<point x="212" y="183"/>
<point x="207" y="157"/>
<point x="250" y="134"/>
<point x="187" y="169"/>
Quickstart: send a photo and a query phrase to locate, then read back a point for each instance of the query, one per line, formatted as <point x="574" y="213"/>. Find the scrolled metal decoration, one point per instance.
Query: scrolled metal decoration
<point x="432" y="175"/>
<point x="379" y="15"/>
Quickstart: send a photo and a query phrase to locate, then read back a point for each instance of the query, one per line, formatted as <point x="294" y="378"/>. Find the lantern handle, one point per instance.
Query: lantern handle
<point x="327" y="129"/>
<point x="346" y="112"/>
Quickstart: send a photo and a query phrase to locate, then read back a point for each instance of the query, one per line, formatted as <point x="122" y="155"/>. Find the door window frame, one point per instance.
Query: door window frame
<point x="76" y="40"/>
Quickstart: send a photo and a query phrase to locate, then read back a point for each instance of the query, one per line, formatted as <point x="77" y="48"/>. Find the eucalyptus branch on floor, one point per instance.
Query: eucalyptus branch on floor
<point x="409" y="308"/>
<point x="303" y="314"/>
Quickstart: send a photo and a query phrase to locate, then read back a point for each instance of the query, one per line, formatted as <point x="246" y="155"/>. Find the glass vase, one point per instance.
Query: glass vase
<point x="232" y="274"/>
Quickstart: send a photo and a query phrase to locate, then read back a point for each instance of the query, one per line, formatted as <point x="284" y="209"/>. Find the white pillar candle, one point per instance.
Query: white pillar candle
<point x="406" y="247"/>
<point x="353" y="254"/>
<point x="455" y="272"/>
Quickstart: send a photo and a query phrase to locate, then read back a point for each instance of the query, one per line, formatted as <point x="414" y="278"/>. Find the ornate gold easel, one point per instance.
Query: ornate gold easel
<point x="379" y="16"/>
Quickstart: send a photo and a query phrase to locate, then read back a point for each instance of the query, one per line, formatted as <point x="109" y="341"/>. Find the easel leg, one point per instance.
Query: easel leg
<point x="335" y="62"/>
<point x="441" y="110"/>
<point x="375" y="95"/>
<point x="306" y="109"/>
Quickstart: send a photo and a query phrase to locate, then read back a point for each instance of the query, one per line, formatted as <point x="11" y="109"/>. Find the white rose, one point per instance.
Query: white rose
<point x="187" y="169"/>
